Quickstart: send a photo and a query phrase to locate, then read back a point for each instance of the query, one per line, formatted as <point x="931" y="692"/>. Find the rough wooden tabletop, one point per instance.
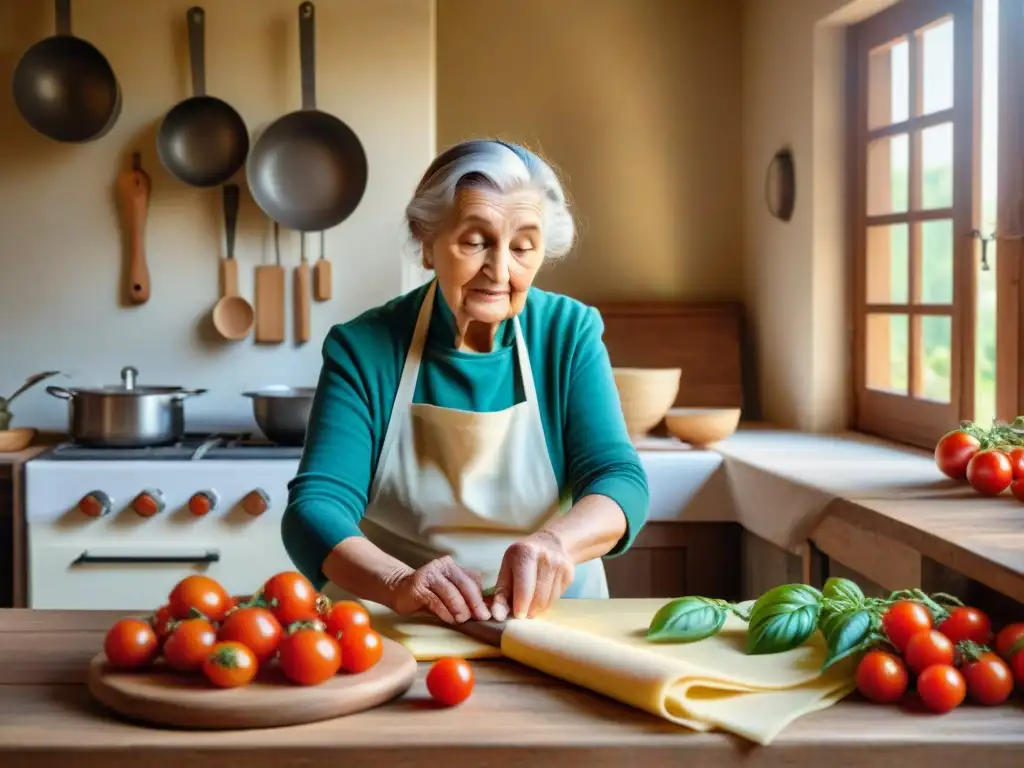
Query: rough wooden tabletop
<point x="515" y="716"/>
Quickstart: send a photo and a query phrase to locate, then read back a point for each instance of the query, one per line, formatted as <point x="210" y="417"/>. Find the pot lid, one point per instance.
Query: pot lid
<point x="128" y="386"/>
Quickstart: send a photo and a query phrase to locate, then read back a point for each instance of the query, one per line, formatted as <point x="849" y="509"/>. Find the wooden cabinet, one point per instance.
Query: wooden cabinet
<point x="6" y="537"/>
<point x="673" y="559"/>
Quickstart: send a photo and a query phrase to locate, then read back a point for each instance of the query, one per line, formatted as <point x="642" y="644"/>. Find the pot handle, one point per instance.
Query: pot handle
<point x="186" y="393"/>
<point x="61" y="392"/>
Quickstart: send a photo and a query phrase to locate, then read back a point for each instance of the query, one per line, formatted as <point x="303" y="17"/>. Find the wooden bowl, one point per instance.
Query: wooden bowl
<point x="14" y="440"/>
<point x="702" y="426"/>
<point x="646" y="394"/>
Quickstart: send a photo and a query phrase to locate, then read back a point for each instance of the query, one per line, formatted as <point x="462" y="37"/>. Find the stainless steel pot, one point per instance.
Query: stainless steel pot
<point x="126" y="416"/>
<point x="282" y="413"/>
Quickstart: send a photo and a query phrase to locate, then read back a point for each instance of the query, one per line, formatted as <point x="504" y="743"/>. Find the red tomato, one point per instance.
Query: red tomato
<point x="905" y="619"/>
<point x="1008" y="637"/>
<point x="967" y="624"/>
<point x="941" y="688"/>
<point x="361" y="649"/>
<point x="343" y="615"/>
<point x="199" y="594"/>
<point x="130" y="644"/>
<point x="230" y="665"/>
<point x="1017" y="489"/>
<point x="926" y="649"/>
<point x="162" y="622"/>
<point x="954" y="451"/>
<point x="309" y="656"/>
<point x="989" y="680"/>
<point x="189" y="645"/>
<point x="882" y="677"/>
<point x="1017" y="665"/>
<point x="291" y="597"/>
<point x="450" y="681"/>
<point x="256" y="629"/>
<point x="1016" y="456"/>
<point x="989" y="472"/>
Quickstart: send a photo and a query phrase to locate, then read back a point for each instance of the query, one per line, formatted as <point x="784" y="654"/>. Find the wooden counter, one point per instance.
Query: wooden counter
<point x="515" y="716"/>
<point x="873" y="505"/>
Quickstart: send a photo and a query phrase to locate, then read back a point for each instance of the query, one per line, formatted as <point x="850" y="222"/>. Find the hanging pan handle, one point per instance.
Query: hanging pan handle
<point x="307" y="54"/>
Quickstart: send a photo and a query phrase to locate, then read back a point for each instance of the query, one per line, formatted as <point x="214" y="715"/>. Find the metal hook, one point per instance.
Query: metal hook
<point x="984" y="247"/>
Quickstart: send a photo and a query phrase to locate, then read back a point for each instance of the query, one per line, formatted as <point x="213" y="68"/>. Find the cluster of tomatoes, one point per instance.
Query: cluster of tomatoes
<point x="203" y="629"/>
<point x="989" y="465"/>
<point x="949" y="661"/>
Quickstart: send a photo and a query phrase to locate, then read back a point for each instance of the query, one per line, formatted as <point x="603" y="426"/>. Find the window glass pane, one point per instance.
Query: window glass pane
<point x="937" y="67"/>
<point x="935" y="353"/>
<point x="889" y="84"/>
<point x="936" y="189"/>
<point x="887" y="176"/>
<point x="888" y="269"/>
<point x="886" y="355"/>
<point x="936" y="284"/>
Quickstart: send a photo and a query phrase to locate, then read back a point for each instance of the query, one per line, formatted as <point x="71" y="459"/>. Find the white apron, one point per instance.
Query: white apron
<point x="452" y="482"/>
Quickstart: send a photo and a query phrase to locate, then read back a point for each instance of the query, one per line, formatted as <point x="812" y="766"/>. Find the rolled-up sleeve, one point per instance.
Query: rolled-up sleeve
<point x="328" y="496"/>
<point x="601" y="457"/>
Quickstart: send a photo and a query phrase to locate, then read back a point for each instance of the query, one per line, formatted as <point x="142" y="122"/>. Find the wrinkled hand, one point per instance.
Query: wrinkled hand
<point x="450" y="592"/>
<point x="534" y="574"/>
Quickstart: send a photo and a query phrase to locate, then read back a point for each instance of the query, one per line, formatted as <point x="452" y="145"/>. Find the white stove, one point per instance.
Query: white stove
<point x="113" y="528"/>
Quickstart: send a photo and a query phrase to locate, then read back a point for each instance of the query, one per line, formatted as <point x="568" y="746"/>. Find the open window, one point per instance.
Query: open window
<point x="937" y="170"/>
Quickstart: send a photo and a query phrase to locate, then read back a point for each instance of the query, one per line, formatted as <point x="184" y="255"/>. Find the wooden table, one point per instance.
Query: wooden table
<point x="515" y="716"/>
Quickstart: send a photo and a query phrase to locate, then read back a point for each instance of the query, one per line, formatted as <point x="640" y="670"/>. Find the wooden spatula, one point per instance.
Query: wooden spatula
<point x="322" y="276"/>
<point x="270" y="297"/>
<point x="133" y="187"/>
<point x="300" y="298"/>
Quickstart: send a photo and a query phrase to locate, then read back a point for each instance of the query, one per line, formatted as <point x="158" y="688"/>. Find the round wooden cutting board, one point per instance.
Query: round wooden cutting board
<point x="161" y="696"/>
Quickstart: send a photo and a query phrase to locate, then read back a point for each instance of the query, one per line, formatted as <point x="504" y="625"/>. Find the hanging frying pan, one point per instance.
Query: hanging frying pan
<point x="202" y="141"/>
<point x="307" y="170"/>
<point x="64" y="87"/>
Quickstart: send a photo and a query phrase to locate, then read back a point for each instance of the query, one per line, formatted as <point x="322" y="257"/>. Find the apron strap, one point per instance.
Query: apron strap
<point x="406" y="385"/>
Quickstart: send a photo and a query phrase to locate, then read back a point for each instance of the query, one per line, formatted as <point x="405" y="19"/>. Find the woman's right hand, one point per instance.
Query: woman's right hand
<point x="442" y="587"/>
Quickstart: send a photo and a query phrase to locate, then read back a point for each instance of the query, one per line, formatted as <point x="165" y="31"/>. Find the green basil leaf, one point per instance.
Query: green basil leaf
<point x="846" y="633"/>
<point x="686" y="620"/>
<point x="843" y="591"/>
<point x="783" y="618"/>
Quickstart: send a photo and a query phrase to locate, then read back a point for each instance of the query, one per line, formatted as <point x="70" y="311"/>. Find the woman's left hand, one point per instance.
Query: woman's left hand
<point x="534" y="573"/>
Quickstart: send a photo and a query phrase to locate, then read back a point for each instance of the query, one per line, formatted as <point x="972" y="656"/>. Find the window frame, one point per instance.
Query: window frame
<point x="900" y="417"/>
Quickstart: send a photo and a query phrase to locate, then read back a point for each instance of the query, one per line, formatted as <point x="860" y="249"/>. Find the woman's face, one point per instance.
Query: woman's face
<point x="488" y="253"/>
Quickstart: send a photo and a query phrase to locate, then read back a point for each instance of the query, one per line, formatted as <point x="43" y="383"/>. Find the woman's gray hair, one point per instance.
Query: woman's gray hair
<point x="494" y="164"/>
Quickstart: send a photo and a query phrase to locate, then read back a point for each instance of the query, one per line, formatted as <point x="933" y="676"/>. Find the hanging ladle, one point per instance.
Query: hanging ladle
<point x="233" y="316"/>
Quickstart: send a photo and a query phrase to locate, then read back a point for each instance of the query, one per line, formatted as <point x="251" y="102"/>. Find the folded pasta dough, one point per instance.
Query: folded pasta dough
<point x="601" y="645"/>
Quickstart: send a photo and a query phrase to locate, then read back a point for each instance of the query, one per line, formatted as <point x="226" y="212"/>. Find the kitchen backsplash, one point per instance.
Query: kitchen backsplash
<point x="62" y="250"/>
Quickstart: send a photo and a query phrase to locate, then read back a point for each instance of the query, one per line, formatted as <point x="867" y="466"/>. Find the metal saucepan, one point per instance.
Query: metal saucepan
<point x="64" y="87"/>
<point x="202" y="141"/>
<point x="126" y="416"/>
<point x="308" y="169"/>
<point x="282" y="413"/>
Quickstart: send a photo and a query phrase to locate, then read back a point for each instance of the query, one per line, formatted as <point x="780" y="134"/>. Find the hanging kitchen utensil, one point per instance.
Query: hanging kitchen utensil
<point x="322" y="276"/>
<point x="64" y="87"/>
<point x="133" y="187"/>
<point x="270" y="297"/>
<point x="233" y="316"/>
<point x="202" y="141"/>
<point x="308" y="169"/>
<point x="300" y="298"/>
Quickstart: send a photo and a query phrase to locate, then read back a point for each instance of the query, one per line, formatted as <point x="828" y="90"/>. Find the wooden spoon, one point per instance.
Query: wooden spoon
<point x="133" y="187"/>
<point x="233" y="316"/>
<point x="322" y="275"/>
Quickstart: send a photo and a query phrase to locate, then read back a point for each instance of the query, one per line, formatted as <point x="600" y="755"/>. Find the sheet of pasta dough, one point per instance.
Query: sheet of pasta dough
<point x="600" y="645"/>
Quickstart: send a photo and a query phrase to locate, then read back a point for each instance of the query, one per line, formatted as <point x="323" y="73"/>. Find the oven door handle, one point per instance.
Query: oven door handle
<point x="211" y="556"/>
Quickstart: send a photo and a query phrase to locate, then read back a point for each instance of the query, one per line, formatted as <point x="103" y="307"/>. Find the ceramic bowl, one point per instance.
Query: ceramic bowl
<point x="646" y="394"/>
<point x="702" y="426"/>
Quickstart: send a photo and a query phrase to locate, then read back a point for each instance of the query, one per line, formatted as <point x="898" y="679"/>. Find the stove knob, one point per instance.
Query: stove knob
<point x="148" y="503"/>
<point x="95" y="504"/>
<point x="202" y="503"/>
<point x="256" y="502"/>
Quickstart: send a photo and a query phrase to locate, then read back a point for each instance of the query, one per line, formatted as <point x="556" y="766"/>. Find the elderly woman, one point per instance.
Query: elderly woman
<point x="467" y="436"/>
